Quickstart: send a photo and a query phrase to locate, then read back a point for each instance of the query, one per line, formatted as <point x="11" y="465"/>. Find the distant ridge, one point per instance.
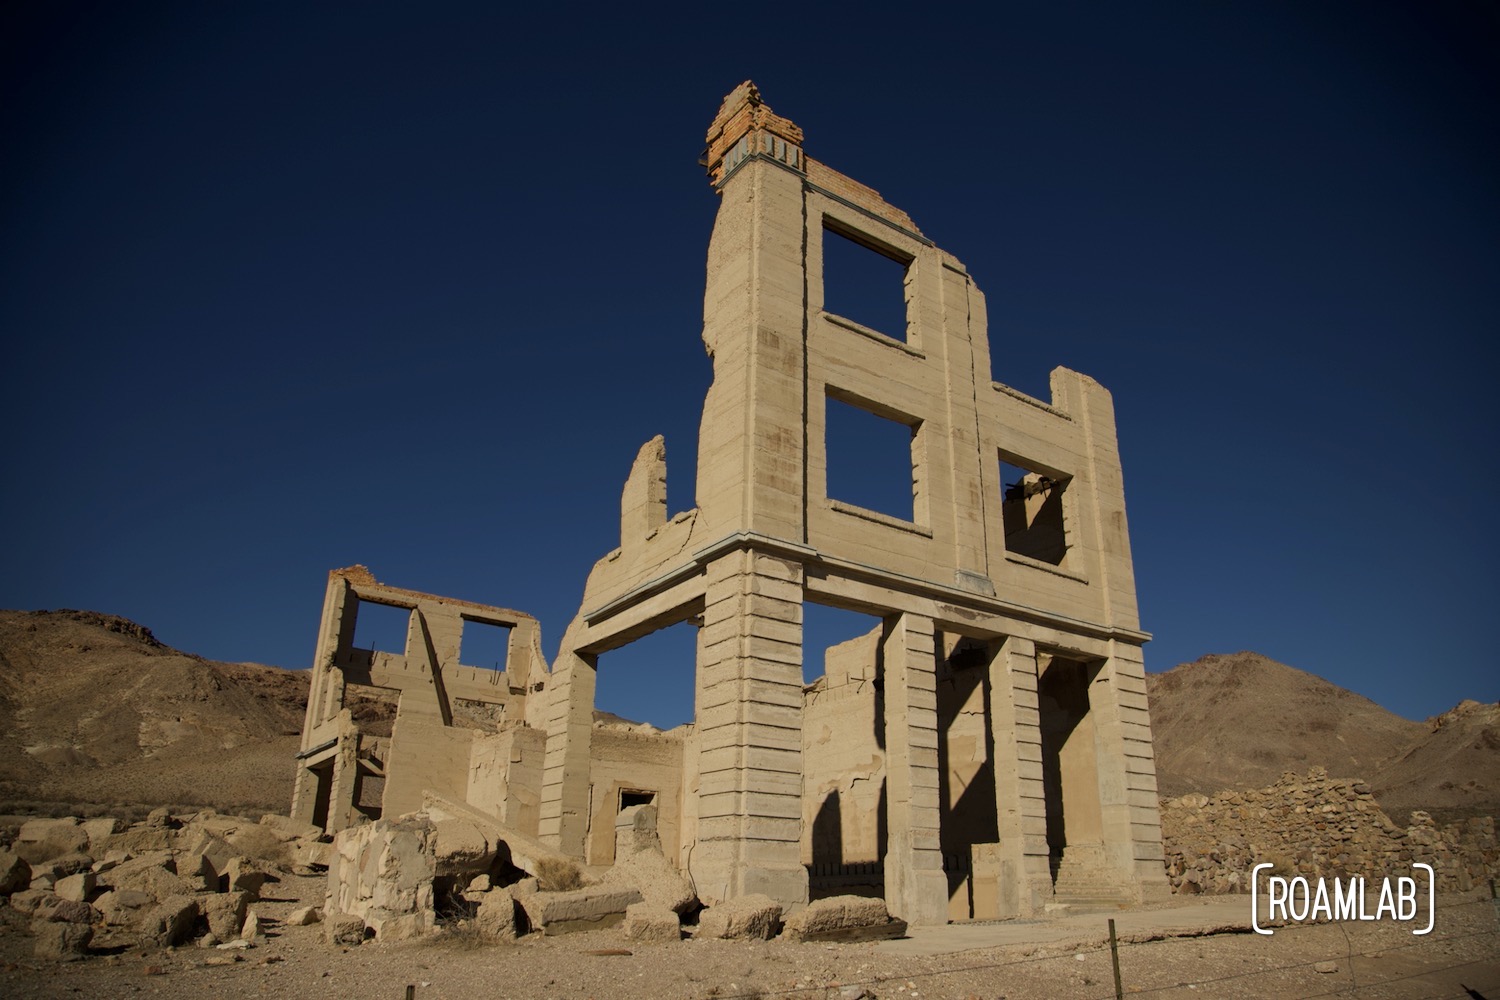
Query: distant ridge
<point x="94" y="709"/>
<point x="1240" y="720"/>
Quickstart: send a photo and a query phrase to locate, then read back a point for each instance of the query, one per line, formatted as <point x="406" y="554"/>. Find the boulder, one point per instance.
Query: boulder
<point x="755" y="916"/>
<point x="303" y="916"/>
<point x="99" y="831"/>
<point x="61" y="942"/>
<point x="170" y="922"/>
<point x="842" y="918"/>
<point x="461" y="847"/>
<point x="496" y="919"/>
<point x="225" y="913"/>
<point x="287" y="829"/>
<point x="123" y="907"/>
<point x="244" y="875"/>
<point x="578" y="910"/>
<point x="76" y="887"/>
<point x="154" y="873"/>
<point x="15" y="873"/>
<point x="65" y="911"/>
<point x="650" y="922"/>
<point x="27" y="900"/>
<point x="343" y="929"/>
<point x="44" y="839"/>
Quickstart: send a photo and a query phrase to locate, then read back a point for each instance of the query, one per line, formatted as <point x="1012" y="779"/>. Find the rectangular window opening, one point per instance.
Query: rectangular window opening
<point x="483" y="644"/>
<point x="873" y="461"/>
<point x="635" y="797"/>
<point x="1031" y="509"/>
<point x="381" y="628"/>
<point x="864" y="283"/>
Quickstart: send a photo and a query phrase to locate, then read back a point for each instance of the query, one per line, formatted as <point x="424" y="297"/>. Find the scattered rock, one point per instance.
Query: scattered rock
<point x="496" y="919"/>
<point x="62" y="942"/>
<point x="755" y="916"/>
<point x="842" y="918"/>
<point x="303" y="916"/>
<point x="650" y="922"/>
<point x="1326" y="967"/>
<point x="15" y="873"/>
<point x="578" y="909"/>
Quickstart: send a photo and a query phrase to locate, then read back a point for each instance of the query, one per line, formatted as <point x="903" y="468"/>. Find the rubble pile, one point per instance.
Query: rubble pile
<point x="166" y="881"/>
<point x="1314" y="825"/>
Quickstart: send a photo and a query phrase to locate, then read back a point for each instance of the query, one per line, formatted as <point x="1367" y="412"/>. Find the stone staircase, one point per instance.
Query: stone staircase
<point x="1081" y="879"/>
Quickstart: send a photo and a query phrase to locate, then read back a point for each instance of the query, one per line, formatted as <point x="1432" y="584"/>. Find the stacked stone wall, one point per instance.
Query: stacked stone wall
<point x="1315" y="826"/>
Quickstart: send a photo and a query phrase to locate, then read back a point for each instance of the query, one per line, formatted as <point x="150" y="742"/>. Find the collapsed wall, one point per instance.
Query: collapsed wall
<point x="1314" y="825"/>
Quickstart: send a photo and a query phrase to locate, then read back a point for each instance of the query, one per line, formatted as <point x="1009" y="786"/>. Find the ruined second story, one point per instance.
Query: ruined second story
<point x="1015" y="502"/>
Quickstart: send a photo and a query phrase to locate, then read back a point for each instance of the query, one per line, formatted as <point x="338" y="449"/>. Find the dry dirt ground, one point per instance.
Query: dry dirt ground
<point x="1372" y="960"/>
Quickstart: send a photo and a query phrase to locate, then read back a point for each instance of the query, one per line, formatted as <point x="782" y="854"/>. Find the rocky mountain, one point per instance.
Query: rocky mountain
<point x="1241" y="720"/>
<point x="94" y="710"/>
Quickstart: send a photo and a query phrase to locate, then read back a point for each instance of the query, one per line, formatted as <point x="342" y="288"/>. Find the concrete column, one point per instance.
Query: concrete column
<point x="749" y="732"/>
<point x="916" y="890"/>
<point x="565" y="771"/>
<point x="1025" y="876"/>
<point x="1127" y="772"/>
<point x="345" y="773"/>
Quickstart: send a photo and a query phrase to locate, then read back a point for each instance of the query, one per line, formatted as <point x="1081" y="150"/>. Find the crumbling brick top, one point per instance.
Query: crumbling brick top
<point x="743" y="112"/>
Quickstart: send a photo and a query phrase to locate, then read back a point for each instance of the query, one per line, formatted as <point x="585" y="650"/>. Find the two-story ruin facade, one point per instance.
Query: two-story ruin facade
<point x="985" y="750"/>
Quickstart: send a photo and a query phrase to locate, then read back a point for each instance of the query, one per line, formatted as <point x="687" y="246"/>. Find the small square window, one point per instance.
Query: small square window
<point x="1031" y="510"/>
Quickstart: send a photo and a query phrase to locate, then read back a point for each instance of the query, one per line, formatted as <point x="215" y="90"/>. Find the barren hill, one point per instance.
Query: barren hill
<point x="1240" y="720"/>
<point x="93" y="709"/>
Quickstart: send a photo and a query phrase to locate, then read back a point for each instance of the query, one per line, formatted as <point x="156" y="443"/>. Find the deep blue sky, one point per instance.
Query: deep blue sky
<point x="289" y="287"/>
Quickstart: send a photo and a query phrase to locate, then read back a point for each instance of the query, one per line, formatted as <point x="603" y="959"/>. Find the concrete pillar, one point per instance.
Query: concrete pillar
<point x="1127" y="772"/>
<point x="749" y="732"/>
<point x="916" y="890"/>
<point x="1025" y="876"/>
<point x="565" y="772"/>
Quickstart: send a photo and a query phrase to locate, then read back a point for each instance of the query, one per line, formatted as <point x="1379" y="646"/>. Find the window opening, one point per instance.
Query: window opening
<point x="1031" y="509"/>
<point x="864" y="284"/>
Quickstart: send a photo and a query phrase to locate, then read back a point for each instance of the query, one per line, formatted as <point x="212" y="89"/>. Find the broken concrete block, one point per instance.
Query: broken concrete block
<point x="63" y="942"/>
<point x="65" y="911"/>
<point x="388" y="928"/>
<point x="659" y="883"/>
<point x="15" y="873"/>
<point x="840" y="917"/>
<point x="123" y="906"/>
<point x="170" y="922"/>
<point x="44" y="839"/>
<point x="578" y="910"/>
<point x="303" y="916"/>
<point x="162" y="818"/>
<point x="343" y="929"/>
<point x="99" y="831"/>
<point x="76" y="887"/>
<point x="461" y="847"/>
<point x="244" y="875"/>
<point x="154" y="873"/>
<point x="71" y="864"/>
<point x="288" y="829"/>
<point x="27" y="900"/>
<point x="755" y="916"/>
<point x="383" y="871"/>
<point x="649" y="922"/>
<point x="225" y="913"/>
<point x="496" y="918"/>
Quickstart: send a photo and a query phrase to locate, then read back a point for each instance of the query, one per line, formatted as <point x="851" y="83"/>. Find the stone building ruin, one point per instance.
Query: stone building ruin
<point x="985" y="751"/>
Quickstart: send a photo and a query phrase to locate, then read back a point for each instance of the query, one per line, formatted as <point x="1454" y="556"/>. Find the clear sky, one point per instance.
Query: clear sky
<point x="286" y="287"/>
